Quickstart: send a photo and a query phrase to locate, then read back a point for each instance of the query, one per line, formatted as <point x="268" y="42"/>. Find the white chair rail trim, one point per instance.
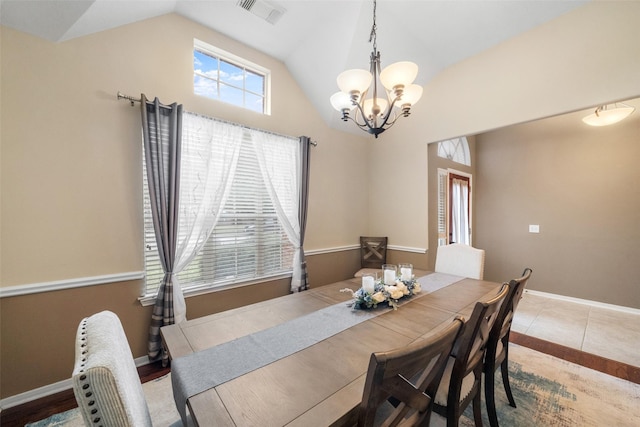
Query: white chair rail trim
<point x="331" y="250"/>
<point x="407" y="249"/>
<point x="354" y="247"/>
<point x="34" y="288"/>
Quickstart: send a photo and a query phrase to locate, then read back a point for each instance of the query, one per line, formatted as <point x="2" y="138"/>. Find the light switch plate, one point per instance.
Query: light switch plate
<point x="534" y="228"/>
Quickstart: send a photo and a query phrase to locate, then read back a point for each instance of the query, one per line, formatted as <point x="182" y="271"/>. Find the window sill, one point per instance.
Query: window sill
<point x="193" y="291"/>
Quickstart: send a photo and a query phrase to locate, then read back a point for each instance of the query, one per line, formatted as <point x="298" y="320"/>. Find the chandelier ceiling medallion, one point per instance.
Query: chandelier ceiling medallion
<point x="359" y="90"/>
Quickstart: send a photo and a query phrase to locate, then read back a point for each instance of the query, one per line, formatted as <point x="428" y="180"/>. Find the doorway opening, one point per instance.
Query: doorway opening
<point x="454" y="207"/>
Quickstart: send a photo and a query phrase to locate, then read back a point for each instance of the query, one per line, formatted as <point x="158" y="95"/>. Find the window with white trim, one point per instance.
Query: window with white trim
<point x="221" y="75"/>
<point x="248" y="242"/>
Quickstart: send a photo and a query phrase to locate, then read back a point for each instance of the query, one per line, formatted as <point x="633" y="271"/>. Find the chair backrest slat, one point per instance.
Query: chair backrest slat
<point x="502" y="326"/>
<point x="373" y="252"/>
<point x="470" y="346"/>
<point x="410" y="376"/>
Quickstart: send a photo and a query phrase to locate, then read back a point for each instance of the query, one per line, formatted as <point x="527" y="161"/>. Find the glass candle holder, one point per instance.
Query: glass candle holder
<point x="389" y="273"/>
<point x="406" y="272"/>
<point x="369" y="283"/>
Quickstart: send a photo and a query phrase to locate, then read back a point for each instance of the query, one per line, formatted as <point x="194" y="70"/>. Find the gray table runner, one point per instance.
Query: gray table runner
<point x="202" y="370"/>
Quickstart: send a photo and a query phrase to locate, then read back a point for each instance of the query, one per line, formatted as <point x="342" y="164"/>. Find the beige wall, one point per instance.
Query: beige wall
<point x="71" y="182"/>
<point x="580" y="185"/>
<point x="586" y="57"/>
<point x="71" y="151"/>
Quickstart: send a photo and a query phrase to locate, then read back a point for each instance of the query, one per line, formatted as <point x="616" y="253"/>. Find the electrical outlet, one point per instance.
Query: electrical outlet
<point x="534" y="228"/>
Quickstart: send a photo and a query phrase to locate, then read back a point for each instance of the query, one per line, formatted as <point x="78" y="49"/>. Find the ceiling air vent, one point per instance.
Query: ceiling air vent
<point x="262" y="9"/>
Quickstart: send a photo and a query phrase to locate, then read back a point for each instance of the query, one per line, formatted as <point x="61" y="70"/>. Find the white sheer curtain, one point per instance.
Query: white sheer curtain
<point x="460" y="211"/>
<point x="207" y="171"/>
<point x="275" y="155"/>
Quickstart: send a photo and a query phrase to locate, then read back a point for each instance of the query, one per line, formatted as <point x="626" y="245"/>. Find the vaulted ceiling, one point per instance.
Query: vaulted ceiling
<point x="315" y="39"/>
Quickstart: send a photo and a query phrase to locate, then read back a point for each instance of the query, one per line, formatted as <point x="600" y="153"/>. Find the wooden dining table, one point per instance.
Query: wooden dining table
<point x="322" y="384"/>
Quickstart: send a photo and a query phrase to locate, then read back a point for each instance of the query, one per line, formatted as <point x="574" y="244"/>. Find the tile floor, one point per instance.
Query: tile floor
<point x="605" y="332"/>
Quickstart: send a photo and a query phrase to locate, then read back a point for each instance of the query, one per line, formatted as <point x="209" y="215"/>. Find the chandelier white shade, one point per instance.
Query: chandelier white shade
<point x="375" y="112"/>
<point x="399" y="74"/>
<point x="604" y="116"/>
<point x="354" y="81"/>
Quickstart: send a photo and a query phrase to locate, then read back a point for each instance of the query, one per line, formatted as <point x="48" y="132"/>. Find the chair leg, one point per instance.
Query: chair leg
<point x="452" y="416"/>
<point x="490" y="397"/>
<point x="504" y="368"/>
<point x="477" y="408"/>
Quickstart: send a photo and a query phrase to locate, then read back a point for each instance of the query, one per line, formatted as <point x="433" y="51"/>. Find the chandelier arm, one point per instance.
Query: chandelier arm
<point x="367" y="123"/>
<point x="386" y="116"/>
<point x="364" y="126"/>
<point x="372" y="125"/>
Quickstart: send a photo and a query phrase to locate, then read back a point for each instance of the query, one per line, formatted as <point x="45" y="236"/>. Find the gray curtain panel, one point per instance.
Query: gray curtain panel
<point x="305" y="148"/>
<point x="162" y="133"/>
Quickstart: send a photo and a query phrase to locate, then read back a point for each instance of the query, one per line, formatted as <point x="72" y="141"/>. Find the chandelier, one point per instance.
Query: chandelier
<point x="359" y="90"/>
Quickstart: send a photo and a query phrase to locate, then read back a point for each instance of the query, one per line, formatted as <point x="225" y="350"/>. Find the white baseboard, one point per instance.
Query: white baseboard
<point x="591" y="303"/>
<point x="48" y="390"/>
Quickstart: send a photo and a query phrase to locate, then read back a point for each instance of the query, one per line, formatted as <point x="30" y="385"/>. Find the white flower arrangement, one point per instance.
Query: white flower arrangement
<point x="390" y="294"/>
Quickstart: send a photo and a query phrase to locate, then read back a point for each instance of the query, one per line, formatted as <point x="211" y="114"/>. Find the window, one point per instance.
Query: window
<point x="455" y="149"/>
<point x="248" y="242"/>
<point x="223" y="76"/>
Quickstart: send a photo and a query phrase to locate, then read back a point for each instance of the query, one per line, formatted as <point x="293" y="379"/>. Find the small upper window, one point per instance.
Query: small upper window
<point x="455" y="149"/>
<point x="223" y="76"/>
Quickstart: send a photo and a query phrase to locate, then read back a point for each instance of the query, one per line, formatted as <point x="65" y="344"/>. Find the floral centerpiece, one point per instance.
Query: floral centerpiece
<point x="382" y="291"/>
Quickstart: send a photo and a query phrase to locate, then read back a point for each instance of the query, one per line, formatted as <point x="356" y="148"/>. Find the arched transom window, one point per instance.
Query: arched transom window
<point x="456" y="149"/>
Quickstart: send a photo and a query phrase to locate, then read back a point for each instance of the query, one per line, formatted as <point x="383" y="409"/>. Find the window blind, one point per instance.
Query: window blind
<point x="248" y="241"/>
<point x="443" y="177"/>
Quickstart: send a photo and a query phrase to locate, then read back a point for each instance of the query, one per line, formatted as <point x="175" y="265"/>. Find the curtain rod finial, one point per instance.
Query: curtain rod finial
<point x="131" y="99"/>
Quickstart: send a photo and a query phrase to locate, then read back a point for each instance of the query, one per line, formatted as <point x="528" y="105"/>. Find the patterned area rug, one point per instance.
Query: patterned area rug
<point x="548" y="391"/>
<point x="553" y="392"/>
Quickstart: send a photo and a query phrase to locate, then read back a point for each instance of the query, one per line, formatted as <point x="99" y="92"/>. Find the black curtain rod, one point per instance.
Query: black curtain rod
<point x="133" y="100"/>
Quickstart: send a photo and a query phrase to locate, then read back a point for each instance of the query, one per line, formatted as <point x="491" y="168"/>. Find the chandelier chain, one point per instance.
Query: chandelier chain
<point x="373" y="36"/>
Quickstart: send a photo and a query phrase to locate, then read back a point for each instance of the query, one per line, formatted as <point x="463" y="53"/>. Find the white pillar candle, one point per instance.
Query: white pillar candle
<point x="368" y="284"/>
<point x="389" y="277"/>
<point x="405" y="273"/>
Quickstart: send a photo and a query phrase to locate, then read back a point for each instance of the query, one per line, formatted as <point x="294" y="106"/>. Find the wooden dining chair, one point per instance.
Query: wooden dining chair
<point x="373" y="253"/>
<point x="462" y="378"/>
<point x="497" y="354"/>
<point x="460" y="260"/>
<point x="388" y="378"/>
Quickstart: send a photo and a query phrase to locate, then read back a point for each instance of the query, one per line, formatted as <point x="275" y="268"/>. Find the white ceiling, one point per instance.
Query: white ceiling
<point x="316" y="39"/>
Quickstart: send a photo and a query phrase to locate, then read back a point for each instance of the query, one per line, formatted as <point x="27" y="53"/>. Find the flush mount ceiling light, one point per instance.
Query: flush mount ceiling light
<point x="376" y="114"/>
<point x="604" y="116"/>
